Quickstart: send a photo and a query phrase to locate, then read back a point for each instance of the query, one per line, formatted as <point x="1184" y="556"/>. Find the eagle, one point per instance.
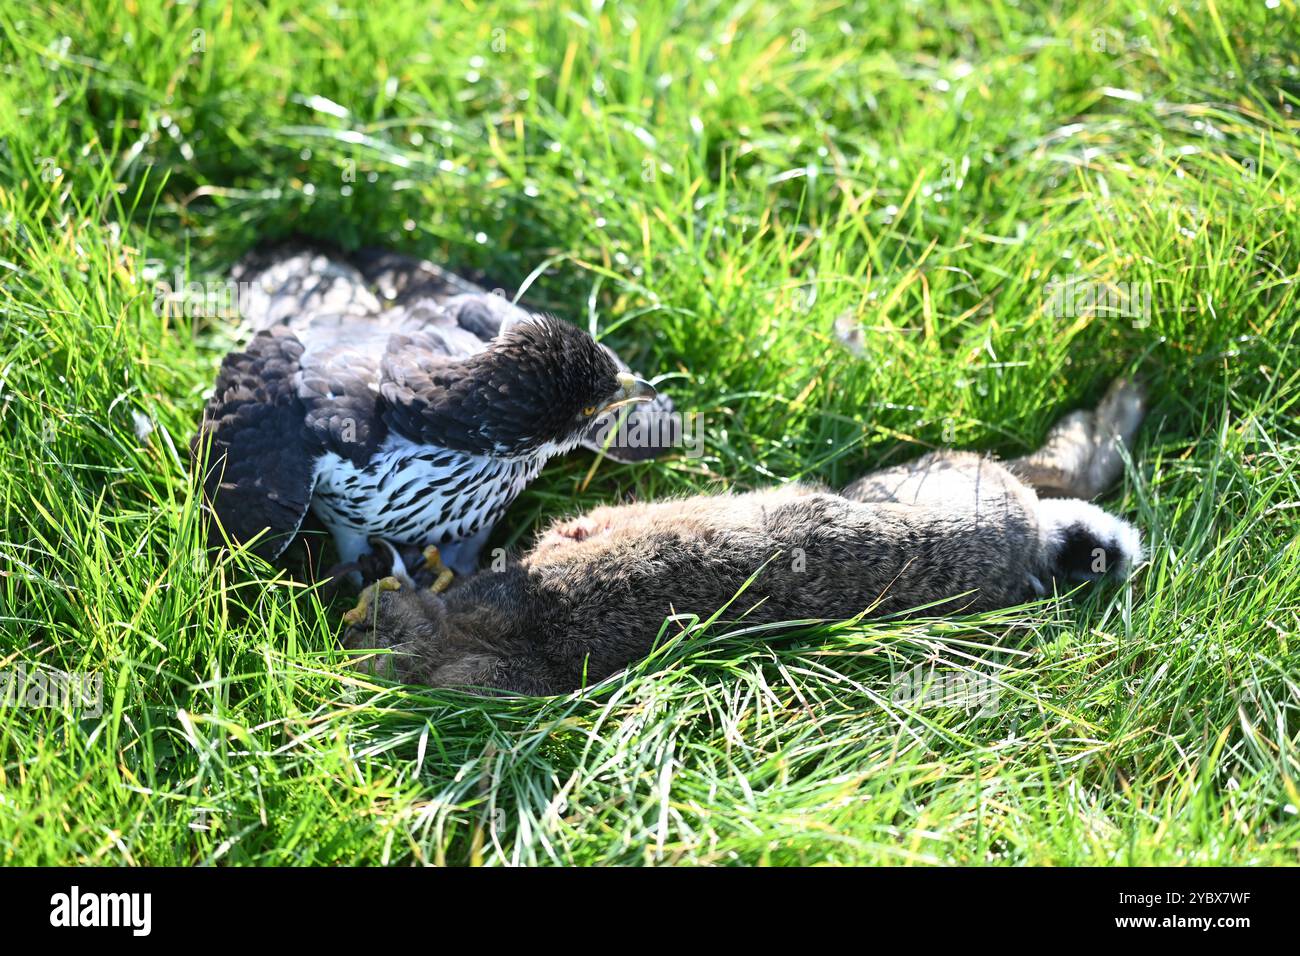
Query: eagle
<point x="400" y="403"/>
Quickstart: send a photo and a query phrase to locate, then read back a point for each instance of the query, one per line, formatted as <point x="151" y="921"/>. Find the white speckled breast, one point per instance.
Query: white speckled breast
<point x="418" y="495"/>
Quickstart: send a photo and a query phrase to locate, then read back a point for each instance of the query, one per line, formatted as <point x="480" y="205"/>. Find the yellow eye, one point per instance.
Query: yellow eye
<point x="589" y="410"/>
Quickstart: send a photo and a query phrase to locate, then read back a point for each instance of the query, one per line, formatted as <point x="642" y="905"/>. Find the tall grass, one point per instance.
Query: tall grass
<point x="721" y="191"/>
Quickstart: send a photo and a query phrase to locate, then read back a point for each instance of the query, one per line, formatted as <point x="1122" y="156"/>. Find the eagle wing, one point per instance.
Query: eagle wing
<point x="257" y="457"/>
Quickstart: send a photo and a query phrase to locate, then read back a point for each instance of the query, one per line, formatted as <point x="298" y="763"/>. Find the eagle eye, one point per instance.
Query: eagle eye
<point x="589" y="410"/>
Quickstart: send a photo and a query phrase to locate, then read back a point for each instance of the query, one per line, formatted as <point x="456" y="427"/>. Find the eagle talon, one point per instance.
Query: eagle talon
<point x="434" y="564"/>
<point x="362" y="610"/>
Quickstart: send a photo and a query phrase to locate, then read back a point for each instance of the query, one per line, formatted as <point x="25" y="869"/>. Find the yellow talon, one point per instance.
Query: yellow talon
<point x="433" y="562"/>
<point x="358" y="613"/>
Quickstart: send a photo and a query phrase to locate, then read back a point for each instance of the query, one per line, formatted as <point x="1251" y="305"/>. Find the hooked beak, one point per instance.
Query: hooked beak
<point x="632" y="389"/>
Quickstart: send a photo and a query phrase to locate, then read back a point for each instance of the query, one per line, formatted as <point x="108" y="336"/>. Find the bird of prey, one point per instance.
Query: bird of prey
<point x="399" y="403"/>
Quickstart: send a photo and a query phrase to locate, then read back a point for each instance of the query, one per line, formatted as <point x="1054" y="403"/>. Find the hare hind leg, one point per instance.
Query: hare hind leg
<point x="1081" y="458"/>
<point x="1083" y="453"/>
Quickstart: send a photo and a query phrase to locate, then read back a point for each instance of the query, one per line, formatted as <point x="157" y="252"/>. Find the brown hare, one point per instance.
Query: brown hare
<point x="951" y="532"/>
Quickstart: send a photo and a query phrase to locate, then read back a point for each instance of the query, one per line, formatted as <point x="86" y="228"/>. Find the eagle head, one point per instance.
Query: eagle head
<point x="535" y="390"/>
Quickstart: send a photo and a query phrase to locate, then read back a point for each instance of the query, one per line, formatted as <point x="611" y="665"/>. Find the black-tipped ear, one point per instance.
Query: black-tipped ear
<point x="1085" y="543"/>
<point x="1083" y="556"/>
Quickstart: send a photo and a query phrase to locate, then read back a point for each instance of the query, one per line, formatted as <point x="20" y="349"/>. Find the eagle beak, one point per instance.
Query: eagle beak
<point x="632" y="389"/>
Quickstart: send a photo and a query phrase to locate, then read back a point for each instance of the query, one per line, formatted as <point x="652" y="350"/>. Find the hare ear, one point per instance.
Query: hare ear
<point x="1084" y="543"/>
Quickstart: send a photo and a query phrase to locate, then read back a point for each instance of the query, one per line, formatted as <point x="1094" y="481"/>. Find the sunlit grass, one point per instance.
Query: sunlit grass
<point x="712" y="188"/>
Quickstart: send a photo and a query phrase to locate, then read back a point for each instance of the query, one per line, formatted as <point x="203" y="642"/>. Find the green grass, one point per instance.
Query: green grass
<point x="710" y="186"/>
